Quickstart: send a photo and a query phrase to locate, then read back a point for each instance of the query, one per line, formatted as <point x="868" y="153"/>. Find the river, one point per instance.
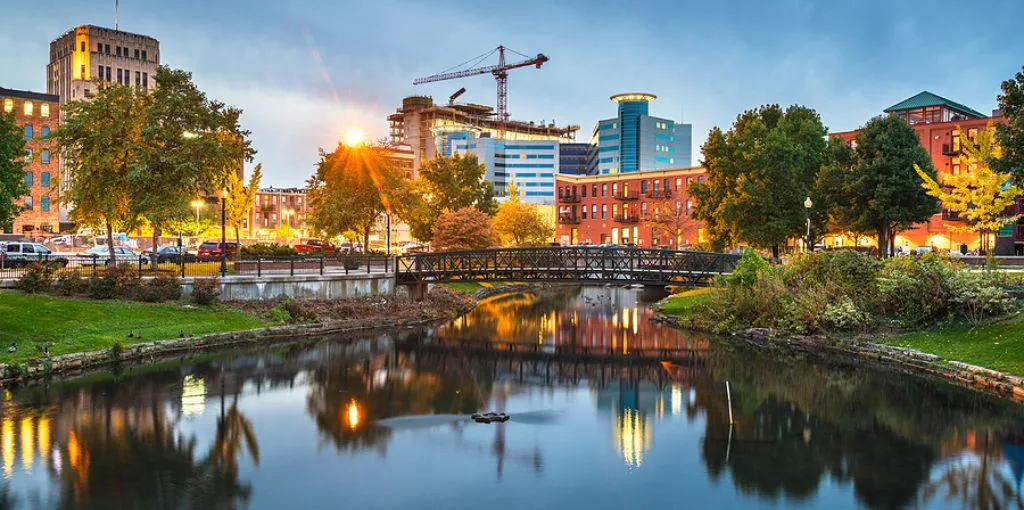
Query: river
<point x="597" y="421"/>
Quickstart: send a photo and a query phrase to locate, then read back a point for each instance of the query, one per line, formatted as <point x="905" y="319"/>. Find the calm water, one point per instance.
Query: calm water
<point x="298" y="427"/>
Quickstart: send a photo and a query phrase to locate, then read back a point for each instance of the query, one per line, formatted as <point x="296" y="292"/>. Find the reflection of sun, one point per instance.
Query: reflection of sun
<point x="353" y="137"/>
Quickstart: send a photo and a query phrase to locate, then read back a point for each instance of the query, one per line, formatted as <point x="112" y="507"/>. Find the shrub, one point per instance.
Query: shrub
<point x="102" y="288"/>
<point x="160" y="288"/>
<point x="351" y="262"/>
<point x="205" y="290"/>
<point x="915" y="290"/>
<point x="268" y="250"/>
<point x="37" y="278"/>
<point x="287" y="309"/>
<point x="71" y="284"/>
<point x="748" y="269"/>
<point x="976" y="296"/>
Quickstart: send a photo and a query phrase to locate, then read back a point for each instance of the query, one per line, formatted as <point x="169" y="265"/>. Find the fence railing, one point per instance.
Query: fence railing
<point x="91" y="266"/>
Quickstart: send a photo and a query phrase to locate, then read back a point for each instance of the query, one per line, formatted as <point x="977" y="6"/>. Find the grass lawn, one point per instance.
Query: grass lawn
<point x="78" y="325"/>
<point x="999" y="345"/>
<point x="679" y="305"/>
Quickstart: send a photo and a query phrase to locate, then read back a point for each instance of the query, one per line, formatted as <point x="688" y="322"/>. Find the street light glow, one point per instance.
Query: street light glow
<point x="354" y="137"/>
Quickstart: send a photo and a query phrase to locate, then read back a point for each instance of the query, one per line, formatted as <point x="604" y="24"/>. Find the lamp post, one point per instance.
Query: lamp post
<point x="223" y="233"/>
<point x="197" y="204"/>
<point x="807" y="208"/>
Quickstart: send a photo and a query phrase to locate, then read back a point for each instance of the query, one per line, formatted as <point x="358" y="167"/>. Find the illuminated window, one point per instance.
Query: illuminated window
<point x="44" y="110"/>
<point x="44" y="156"/>
<point x="28" y="108"/>
<point x="8" y="105"/>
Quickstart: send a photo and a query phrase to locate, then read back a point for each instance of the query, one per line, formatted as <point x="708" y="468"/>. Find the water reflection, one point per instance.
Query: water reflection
<point x="264" y="429"/>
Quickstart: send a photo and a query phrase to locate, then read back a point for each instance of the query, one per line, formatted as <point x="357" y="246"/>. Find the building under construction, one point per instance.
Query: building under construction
<point x="428" y="129"/>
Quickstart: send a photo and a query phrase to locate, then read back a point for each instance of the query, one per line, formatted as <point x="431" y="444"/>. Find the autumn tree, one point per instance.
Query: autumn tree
<point x="352" y="187"/>
<point x="519" y="223"/>
<point x="758" y="174"/>
<point x="12" y="169"/>
<point x="669" y="218"/>
<point x="241" y="199"/>
<point x="1010" y="135"/>
<point x="978" y="194"/>
<point x="101" y="143"/>
<point x="448" y="184"/>
<point x="464" y="229"/>
<point x="884" y="191"/>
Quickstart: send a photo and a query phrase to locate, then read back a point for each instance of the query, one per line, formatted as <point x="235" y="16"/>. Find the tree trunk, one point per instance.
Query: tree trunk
<point x="366" y="238"/>
<point x="238" y="244"/>
<point x="154" y="262"/>
<point x="775" y="252"/>
<point x="110" y="242"/>
<point x="883" y="241"/>
<point x="892" y="242"/>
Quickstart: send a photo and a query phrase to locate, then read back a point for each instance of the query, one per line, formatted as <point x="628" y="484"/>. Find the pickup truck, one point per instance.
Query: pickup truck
<point x="312" y="245"/>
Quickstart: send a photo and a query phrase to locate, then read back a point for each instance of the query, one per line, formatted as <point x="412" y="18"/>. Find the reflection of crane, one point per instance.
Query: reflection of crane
<point x="499" y="71"/>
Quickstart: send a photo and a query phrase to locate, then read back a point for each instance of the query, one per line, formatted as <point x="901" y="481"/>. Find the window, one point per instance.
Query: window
<point x="44" y="156"/>
<point x="28" y="131"/>
<point x="81" y="72"/>
<point x="28" y="156"/>
<point x="700" y="179"/>
<point x="615" y="188"/>
<point x="643" y="187"/>
<point x="120" y="78"/>
<point x="136" y="54"/>
<point x="99" y="47"/>
<point x="81" y="46"/>
<point x="593" y="190"/>
<point x="583" y="212"/>
<point x="689" y="207"/>
<point x="657" y="185"/>
<point x="625" y="189"/>
<point x="28" y="108"/>
<point x="138" y="79"/>
<point x="604" y="190"/>
<point x="118" y="51"/>
<point x="44" y="110"/>
<point x="604" y="211"/>
<point x="108" y="73"/>
<point x="44" y="203"/>
<point x="615" y="210"/>
<point x="956" y="166"/>
<point x="144" y="55"/>
<point x="28" y="178"/>
<point x="8" y="105"/>
<point x="679" y="182"/>
<point x="583" y="191"/>
<point x="643" y="210"/>
<point x="145" y="81"/>
<point x="593" y="211"/>
<point x="44" y="179"/>
<point x="106" y="49"/>
<point x="28" y="202"/>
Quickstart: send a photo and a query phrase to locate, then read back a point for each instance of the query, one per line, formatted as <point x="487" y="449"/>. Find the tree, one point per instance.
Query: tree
<point x="669" y="218"/>
<point x="830" y="193"/>
<point x="759" y="173"/>
<point x="884" y="193"/>
<point x="445" y="185"/>
<point x="464" y="229"/>
<point x="101" y="141"/>
<point x="1010" y="135"/>
<point x="12" y="169"/>
<point x="241" y="198"/>
<point x="190" y="145"/>
<point x="979" y="194"/>
<point x="352" y="187"/>
<point x="520" y="224"/>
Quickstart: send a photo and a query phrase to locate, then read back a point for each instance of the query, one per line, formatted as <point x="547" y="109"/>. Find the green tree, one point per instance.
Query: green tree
<point x="12" y="169"/>
<point x="101" y="143"/>
<point x="1010" y="135"/>
<point x="521" y="224"/>
<point x="352" y="187"/>
<point x="241" y="198"/>
<point x="830" y="193"/>
<point x="759" y="173"/>
<point x="445" y="185"/>
<point x="464" y="229"/>
<point x="979" y="194"/>
<point x="884" y="193"/>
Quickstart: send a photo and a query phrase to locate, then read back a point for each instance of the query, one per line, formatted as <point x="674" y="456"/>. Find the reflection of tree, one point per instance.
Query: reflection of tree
<point x="975" y="483"/>
<point x="234" y="432"/>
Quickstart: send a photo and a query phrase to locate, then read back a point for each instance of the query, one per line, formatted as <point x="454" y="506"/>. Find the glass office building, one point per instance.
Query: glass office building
<point x="634" y="140"/>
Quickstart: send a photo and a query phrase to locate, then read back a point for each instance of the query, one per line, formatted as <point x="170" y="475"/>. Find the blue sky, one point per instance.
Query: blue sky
<point x="305" y="71"/>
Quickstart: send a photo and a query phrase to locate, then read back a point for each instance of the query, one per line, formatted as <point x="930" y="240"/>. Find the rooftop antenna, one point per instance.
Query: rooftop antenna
<point x="117" y="5"/>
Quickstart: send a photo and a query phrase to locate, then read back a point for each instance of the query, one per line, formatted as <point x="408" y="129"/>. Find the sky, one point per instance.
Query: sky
<point x="306" y="71"/>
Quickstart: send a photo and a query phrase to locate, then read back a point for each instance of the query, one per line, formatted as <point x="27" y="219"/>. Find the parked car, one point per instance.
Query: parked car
<point x="172" y="254"/>
<point x="348" y="247"/>
<point x="210" y="251"/>
<point x="20" y="254"/>
<point x="101" y="254"/>
<point x="311" y="245"/>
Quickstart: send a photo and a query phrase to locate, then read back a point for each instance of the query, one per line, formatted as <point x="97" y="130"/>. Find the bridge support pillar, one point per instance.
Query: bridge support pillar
<point x="417" y="291"/>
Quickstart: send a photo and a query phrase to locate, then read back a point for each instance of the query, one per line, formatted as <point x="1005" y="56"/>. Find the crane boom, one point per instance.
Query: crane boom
<point x="500" y="72"/>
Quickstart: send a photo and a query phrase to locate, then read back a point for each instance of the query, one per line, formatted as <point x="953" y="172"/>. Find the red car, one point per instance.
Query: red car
<point x="210" y="251"/>
<point x="312" y="245"/>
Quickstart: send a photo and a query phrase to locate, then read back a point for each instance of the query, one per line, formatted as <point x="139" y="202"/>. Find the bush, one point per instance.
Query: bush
<point x="268" y="250"/>
<point x="121" y="281"/>
<point x="159" y="289"/>
<point x="102" y="288"/>
<point x="351" y="262"/>
<point x="71" y="284"/>
<point x="205" y="290"/>
<point x="287" y="309"/>
<point x="37" y="278"/>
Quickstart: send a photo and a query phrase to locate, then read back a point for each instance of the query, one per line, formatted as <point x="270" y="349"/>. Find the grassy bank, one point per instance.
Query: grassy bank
<point x="997" y="345"/>
<point x="682" y="304"/>
<point x="78" y="325"/>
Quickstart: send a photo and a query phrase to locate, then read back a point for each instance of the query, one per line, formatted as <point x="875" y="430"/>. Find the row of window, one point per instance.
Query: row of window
<point x="44" y="179"/>
<point x="645" y="185"/>
<point x="124" y="77"/>
<point x="662" y="125"/>
<point x="44" y="203"/>
<point x="120" y="51"/>
<point x="662" y="148"/>
<point x="44" y="132"/>
<point x="44" y="156"/>
<point x="625" y="208"/>
<point x="28" y="108"/>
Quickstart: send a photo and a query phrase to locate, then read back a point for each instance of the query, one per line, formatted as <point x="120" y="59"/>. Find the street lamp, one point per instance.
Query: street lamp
<point x="197" y="204"/>
<point x="223" y="233"/>
<point x="807" y="208"/>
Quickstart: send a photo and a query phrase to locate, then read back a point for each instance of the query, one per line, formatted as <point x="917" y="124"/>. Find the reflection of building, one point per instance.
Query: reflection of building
<point x="938" y="123"/>
<point x="574" y="158"/>
<point x="635" y="141"/>
<point x="650" y="208"/>
<point x="37" y="115"/>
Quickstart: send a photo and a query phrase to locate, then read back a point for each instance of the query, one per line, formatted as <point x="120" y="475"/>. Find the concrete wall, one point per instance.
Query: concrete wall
<point x="251" y="288"/>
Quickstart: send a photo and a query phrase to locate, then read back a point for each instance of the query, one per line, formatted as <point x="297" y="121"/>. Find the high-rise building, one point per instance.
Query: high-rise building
<point x="531" y="164"/>
<point x="38" y="115"/>
<point x="89" y="53"/>
<point x="634" y="140"/>
<point x="575" y="158"/>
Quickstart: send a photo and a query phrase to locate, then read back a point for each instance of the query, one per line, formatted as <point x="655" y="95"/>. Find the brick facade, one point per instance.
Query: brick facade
<point x="647" y="208"/>
<point x="277" y="206"/>
<point x="37" y="115"/>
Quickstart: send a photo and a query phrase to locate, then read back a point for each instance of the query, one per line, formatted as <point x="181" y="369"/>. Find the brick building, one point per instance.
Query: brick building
<point x="37" y="115"/>
<point x="277" y="206"/>
<point x="942" y="126"/>
<point x="648" y="208"/>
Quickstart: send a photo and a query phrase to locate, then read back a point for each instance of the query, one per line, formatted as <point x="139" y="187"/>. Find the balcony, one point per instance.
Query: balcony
<point x="626" y="218"/>
<point x="659" y="193"/>
<point x="569" y="199"/>
<point x="948" y="215"/>
<point x="568" y="219"/>
<point x="626" y="197"/>
<point x="947" y="150"/>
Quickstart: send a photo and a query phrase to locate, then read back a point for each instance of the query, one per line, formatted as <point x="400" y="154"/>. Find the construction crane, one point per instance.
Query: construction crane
<point x="500" y="72"/>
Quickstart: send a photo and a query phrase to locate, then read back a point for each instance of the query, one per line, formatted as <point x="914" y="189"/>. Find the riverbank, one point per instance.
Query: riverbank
<point x="226" y="325"/>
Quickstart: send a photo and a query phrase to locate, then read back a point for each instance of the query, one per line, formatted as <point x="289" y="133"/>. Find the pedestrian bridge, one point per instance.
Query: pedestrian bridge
<point x="569" y="264"/>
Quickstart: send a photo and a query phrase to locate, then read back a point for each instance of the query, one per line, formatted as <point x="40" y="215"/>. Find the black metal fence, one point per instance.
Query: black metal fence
<point x="91" y="266"/>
